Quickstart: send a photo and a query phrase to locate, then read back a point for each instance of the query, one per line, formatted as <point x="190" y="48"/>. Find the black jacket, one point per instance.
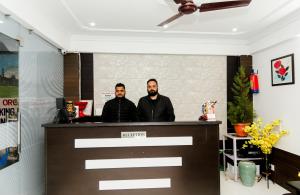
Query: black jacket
<point x="119" y="110"/>
<point x="155" y="111"/>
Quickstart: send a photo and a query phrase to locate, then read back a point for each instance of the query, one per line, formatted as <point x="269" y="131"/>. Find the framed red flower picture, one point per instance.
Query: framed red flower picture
<point x="282" y="70"/>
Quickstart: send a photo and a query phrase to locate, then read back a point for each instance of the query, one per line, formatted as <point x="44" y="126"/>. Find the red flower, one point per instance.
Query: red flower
<point x="277" y="64"/>
<point x="282" y="71"/>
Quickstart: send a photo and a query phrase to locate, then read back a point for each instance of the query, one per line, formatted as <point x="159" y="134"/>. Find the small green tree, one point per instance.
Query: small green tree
<point x="240" y="110"/>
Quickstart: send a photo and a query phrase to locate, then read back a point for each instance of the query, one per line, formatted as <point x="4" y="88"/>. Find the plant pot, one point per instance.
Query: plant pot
<point x="247" y="170"/>
<point x="239" y="129"/>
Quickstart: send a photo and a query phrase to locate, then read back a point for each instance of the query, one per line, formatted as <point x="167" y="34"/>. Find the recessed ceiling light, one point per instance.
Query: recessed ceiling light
<point x="234" y="30"/>
<point x="165" y="26"/>
<point x="1" y="22"/>
<point x="92" y="24"/>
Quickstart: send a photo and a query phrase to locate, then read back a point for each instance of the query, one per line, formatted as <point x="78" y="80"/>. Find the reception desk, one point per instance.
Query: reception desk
<point x="178" y="158"/>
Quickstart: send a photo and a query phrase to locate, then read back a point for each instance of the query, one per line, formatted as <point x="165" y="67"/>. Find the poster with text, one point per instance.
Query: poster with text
<point x="9" y="101"/>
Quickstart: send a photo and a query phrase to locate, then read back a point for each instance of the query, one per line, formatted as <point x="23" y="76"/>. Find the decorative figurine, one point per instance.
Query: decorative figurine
<point x="208" y="110"/>
<point x="71" y="112"/>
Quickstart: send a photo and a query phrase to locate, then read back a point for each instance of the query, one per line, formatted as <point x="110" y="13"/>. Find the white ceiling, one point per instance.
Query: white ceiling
<point x="144" y="15"/>
<point x="65" y="22"/>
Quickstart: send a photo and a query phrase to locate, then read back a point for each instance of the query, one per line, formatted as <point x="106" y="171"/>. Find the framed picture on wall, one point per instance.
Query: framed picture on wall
<point x="282" y="70"/>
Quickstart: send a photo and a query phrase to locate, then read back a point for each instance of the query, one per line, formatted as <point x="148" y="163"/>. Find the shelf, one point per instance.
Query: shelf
<point x="233" y="136"/>
<point x="231" y="156"/>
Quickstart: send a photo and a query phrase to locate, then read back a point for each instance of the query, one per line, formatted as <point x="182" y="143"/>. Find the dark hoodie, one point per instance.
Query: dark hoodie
<point x="119" y="110"/>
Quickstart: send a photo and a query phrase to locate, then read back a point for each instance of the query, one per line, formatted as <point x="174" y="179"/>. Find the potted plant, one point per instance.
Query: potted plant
<point x="240" y="110"/>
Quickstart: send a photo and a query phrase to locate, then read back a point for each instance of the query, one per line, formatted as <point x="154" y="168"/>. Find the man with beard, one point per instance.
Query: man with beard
<point x="155" y="107"/>
<point x="119" y="109"/>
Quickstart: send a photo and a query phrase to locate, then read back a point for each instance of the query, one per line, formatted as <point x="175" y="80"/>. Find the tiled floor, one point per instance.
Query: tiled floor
<point x="230" y="187"/>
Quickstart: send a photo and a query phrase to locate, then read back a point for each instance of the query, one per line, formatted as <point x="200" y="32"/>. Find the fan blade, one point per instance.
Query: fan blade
<point x="177" y="1"/>
<point x="171" y="19"/>
<point x="223" y="5"/>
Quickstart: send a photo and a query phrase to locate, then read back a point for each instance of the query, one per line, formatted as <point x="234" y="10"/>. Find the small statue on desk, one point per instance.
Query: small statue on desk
<point x="71" y="110"/>
<point x="208" y="110"/>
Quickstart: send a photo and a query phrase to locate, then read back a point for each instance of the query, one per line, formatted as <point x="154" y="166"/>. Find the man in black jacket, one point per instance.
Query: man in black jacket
<point x="155" y="107"/>
<point x="119" y="109"/>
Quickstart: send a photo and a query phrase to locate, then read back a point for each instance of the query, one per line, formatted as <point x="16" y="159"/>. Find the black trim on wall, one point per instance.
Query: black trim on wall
<point x="71" y="76"/>
<point x="287" y="166"/>
<point x="87" y="76"/>
<point x="233" y="64"/>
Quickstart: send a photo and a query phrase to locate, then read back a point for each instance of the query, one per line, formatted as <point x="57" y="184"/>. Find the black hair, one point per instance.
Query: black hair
<point x="152" y="80"/>
<point x="120" y="85"/>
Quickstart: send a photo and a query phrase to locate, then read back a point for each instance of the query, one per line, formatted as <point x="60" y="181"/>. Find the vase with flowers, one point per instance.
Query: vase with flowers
<point x="264" y="137"/>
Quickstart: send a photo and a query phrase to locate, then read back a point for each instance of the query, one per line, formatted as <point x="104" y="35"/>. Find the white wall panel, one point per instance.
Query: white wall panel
<point x="134" y="184"/>
<point x="41" y="81"/>
<point x="133" y="163"/>
<point x="133" y="142"/>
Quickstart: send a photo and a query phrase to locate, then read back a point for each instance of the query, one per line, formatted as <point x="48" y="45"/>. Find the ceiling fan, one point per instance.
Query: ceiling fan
<point x="189" y="7"/>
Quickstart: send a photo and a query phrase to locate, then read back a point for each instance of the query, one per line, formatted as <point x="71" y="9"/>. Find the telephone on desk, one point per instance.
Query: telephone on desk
<point x="61" y="114"/>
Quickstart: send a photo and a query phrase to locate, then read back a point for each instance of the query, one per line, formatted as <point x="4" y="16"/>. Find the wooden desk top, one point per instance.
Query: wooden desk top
<point x="99" y="124"/>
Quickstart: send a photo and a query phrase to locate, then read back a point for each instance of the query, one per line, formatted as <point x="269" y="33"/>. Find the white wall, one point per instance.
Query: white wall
<point x="158" y="45"/>
<point x="280" y="102"/>
<point x="189" y="80"/>
<point x="42" y="17"/>
<point x="40" y="82"/>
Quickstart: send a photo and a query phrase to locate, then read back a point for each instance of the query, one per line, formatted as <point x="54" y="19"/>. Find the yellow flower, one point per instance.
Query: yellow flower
<point x="264" y="137"/>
